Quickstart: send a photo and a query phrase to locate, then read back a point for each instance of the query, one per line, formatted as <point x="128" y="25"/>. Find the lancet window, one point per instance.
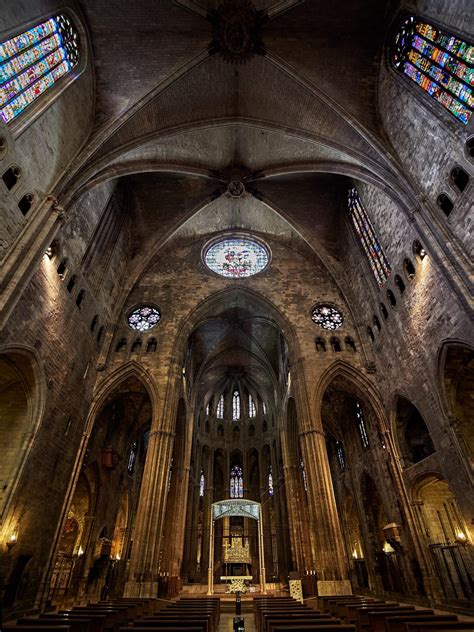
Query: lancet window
<point x="236" y="406"/>
<point x="361" y="425"/>
<point x="202" y="484"/>
<point x="252" y="409"/>
<point x="220" y="408"/>
<point x="236" y="482"/>
<point x="367" y="237"/>
<point x="440" y="63"/>
<point x="340" y="456"/>
<point x="303" y="475"/>
<point x="270" y="482"/>
<point x="132" y="457"/>
<point x="34" y="61"/>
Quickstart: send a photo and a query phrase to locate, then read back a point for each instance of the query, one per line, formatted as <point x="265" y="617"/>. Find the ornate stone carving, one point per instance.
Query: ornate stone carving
<point x="236" y="189"/>
<point x="237" y="31"/>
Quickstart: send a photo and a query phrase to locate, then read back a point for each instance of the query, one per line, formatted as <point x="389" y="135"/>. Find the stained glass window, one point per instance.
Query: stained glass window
<point x="303" y="474"/>
<point x="236" y="482"/>
<point x="252" y="409"/>
<point x="236" y="258"/>
<point x="208" y="409"/>
<point x="236" y="405"/>
<point x="202" y="484"/>
<point x="440" y="63"/>
<point x="33" y="61"/>
<point x="340" y="456"/>
<point x="327" y="317"/>
<point x="144" y="318"/>
<point x="220" y="408"/>
<point x="367" y="237"/>
<point x="132" y="457"/>
<point x="270" y="482"/>
<point x="361" y="425"/>
<point x="264" y="408"/>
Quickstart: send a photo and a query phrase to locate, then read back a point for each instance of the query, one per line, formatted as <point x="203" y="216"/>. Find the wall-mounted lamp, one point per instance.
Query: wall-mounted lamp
<point x="387" y="548"/>
<point x="117" y="557"/>
<point x="12" y="540"/>
<point x="49" y="252"/>
<point x="354" y="554"/>
<point x="80" y="551"/>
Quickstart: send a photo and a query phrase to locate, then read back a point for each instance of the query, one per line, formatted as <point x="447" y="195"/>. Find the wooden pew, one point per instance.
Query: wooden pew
<point x="377" y="619"/>
<point x="353" y="609"/>
<point x="363" y="614"/>
<point x="312" y="628"/>
<point x="97" y="620"/>
<point x="203" y="621"/>
<point x="397" y="624"/>
<point x="36" y="628"/>
<point x="438" y="626"/>
<point x="75" y="625"/>
<point x="275" y="622"/>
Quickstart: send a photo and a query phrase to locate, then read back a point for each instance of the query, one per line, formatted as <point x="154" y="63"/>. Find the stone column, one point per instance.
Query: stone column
<point x="178" y="515"/>
<point x="145" y="560"/>
<point x="330" y="559"/>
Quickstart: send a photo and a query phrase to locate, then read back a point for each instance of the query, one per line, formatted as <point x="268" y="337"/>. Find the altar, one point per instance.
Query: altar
<point x="237" y="559"/>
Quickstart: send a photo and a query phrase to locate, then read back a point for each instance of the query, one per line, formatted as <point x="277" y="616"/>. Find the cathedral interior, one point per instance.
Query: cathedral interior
<point x="236" y="300"/>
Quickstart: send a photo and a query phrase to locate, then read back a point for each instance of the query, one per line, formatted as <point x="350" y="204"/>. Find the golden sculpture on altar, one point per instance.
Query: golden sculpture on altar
<point x="236" y="551"/>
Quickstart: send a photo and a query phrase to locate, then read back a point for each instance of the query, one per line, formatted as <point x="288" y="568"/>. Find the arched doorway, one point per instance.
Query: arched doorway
<point x="447" y="537"/>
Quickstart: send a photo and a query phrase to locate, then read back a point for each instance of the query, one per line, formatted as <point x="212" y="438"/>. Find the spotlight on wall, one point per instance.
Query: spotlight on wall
<point x="80" y="551"/>
<point x="460" y="536"/>
<point x="49" y="252"/>
<point x="12" y="540"/>
<point x="354" y="554"/>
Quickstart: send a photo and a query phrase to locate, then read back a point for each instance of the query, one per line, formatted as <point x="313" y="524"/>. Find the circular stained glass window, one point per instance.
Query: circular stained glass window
<point x="327" y="317"/>
<point x="236" y="258"/>
<point x="143" y="318"/>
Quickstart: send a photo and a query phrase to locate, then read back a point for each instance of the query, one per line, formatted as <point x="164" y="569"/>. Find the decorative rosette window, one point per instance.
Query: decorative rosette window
<point x="34" y="61"/>
<point x="236" y="258"/>
<point x="439" y="62"/>
<point x="327" y="317"/>
<point x="144" y="318"/>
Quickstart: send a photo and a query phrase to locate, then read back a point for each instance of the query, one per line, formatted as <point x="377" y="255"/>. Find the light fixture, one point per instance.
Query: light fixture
<point x="354" y="554"/>
<point x="387" y="548"/>
<point x="12" y="540"/>
<point x="117" y="557"/>
<point x="422" y="253"/>
<point x="49" y="252"/>
<point x="80" y="551"/>
<point x="461" y="536"/>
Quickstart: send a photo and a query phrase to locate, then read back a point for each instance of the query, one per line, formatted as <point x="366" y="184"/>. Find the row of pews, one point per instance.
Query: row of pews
<point x="129" y="615"/>
<point x="374" y="615"/>
<point x="350" y="614"/>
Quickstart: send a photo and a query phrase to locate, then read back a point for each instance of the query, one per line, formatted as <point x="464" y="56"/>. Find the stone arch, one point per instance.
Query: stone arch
<point x="456" y="384"/>
<point x="22" y="403"/>
<point x="105" y="389"/>
<point x="411" y="434"/>
<point x="365" y="389"/>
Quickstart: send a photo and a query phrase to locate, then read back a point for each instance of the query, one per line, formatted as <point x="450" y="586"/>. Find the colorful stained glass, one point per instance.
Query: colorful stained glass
<point x="366" y="233"/>
<point x="327" y="317"/>
<point x="34" y="61"/>
<point x="440" y="63"/>
<point x="144" y="318"/>
<point x="270" y="482"/>
<point x="236" y="258"/>
<point x="236" y="482"/>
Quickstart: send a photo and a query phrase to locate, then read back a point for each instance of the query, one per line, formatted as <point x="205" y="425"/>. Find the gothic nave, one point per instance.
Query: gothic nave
<point x="236" y="300"/>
